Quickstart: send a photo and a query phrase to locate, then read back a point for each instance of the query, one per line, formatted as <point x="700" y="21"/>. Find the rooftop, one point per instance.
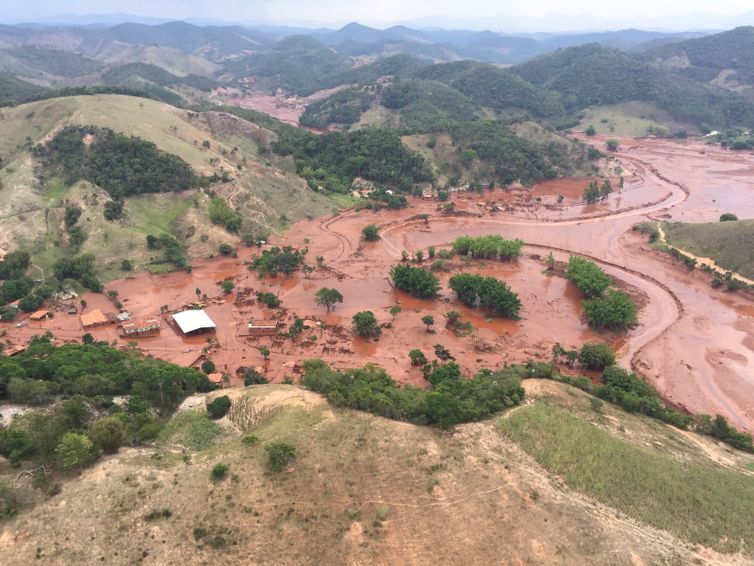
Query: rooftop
<point x="93" y="318"/>
<point x="193" y="320"/>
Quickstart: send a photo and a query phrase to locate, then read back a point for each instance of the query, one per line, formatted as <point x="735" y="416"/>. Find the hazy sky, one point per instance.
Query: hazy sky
<point x="647" y="13"/>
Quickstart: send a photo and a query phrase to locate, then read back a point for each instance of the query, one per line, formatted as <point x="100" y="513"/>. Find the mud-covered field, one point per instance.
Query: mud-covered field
<point x="695" y="344"/>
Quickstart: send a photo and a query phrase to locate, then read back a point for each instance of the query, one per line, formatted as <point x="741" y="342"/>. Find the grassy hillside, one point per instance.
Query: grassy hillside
<point x="13" y="90"/>
<point x="363" y="489"/>
<point x="728" y="243"/>
<point x="632" y="119"/>
<point x="31" y="208"/>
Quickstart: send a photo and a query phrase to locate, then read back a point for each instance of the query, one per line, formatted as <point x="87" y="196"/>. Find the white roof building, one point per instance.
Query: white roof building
<point x="193" y="321"/>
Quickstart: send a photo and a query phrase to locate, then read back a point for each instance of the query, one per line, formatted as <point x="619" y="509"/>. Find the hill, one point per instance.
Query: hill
<point x="13" y="90"/>
<point x="215" y="145"/>
<point x="725" y="59"/>
<point x="593" y="75"/>
<point x="363" y="489"/>
<point x="727" y="243"/>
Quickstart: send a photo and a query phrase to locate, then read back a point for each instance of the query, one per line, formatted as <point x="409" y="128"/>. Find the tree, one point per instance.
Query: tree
<point x="486" y="292"/>
<point x="728" y="217"/>
<point x="219" y="407"/>
<point x="253" y="377"/>
<point x="592" y="193"/>
<point x="73" y="451"/>
<point x="590" y="131"/>
<point x="606" y="189"/>
<point x="370" y="233"/>
<point x="265" y="351"/>
<point x="612" y="145"/>
<point x="208" y="366"/>
<point x="327" y="297"/>
<point x="587" y="276"/>
<point x="126" y="265"/>
<point x="614" y="311"/>
<point x="394" y="310"/>
<point x="280" y="455"/>
<point x="444" y="373"/>
<point x="428" y="320"/>
<point x="219" y="471"/>
<point x="415" y="281"/>
<point x="365" y="324"/>
<point x="228" y="286"/>
<point x="270" y="300"/>
<point x="417" y="358"/>
<point x="108" y="434"/>
<point x="596" y="356"/>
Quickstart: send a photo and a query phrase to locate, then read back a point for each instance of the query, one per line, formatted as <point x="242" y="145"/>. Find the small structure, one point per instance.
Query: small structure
<point x="262" y="328"/>
<point x="93" y="319"/>
<point x="194" y="321"/>
<point x="139" y="328"/>
<point x="40" y="315"/>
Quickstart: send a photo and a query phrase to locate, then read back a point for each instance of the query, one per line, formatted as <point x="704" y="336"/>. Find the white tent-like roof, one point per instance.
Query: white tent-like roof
<point x="193" y="320"/>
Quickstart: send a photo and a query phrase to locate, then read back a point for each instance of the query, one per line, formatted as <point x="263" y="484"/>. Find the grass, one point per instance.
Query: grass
<point x="700" y="503"/>
<point x="626" y="119"/>
<point x="192" y="429"/>
<point x="727" y="243"/>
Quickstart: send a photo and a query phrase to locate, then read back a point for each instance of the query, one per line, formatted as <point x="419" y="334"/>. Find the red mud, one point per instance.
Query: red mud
<point x="695" y="344"/>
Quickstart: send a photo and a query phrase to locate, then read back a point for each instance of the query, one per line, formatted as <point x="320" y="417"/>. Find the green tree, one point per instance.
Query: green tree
<point x="394" y="310"/>
<point x="208" y="366"/>
<point x="592" y="193"/>
<point x="365" y="324"/>
<point x="417" y="358"/>
<point x="73" y="451"/>
<point x="606" y="189"/>
<point x="615" y="311"/>
<point x="428" y="320"/>
<point x="327" y="297"/>
<point x="415" y="281"/>
<point x="108" y="434"/>
<point x="612" y="145"/>
<point x="596" y="356"/>
<point x="590" y="131"/>
<point x="228" y="286"/>
<point x="219" y="407"/>
<point x="370" y="233"/>
<point x="587" y="276"/>
<point x="728" y="217"/>
<point x="265" y="351"/>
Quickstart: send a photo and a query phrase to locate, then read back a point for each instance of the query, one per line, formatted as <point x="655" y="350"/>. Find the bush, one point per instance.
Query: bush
<point x="616" y="311"/>
<point x="253" y="377"/>
<point x="108" y="434"/>
<point x="219" y="471"/>
<point x="728" y="217"/>
<point x="226" y="249"/>
<point x="208" y="366"/>
<point x="415" y="281"/>
<point x="596" y="356"/>
<point x="219" y="407"/>
<point x="280" y="455"/>
<point x="276" y="260"/>
<point x="370" y="233"/>
<point x="270" y="300"/>
<point x="365" y="324"/>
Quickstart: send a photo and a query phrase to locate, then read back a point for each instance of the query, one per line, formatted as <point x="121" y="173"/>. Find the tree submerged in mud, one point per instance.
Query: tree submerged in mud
<point x="327" y="297"/>
<point x="276" y="260"/>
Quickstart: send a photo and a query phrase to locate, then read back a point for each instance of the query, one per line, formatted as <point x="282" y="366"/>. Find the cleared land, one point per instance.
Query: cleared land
<point x="728" y="243"/>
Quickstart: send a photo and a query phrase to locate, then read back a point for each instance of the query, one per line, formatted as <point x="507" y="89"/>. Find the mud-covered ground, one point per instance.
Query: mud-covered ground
<point x="694" y="343"/>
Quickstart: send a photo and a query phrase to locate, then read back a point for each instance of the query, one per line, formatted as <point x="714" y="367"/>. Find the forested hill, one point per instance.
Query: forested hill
<point x="705" y="58"/>
<point x="13" y="90"/>
<point x="595" y="75"/>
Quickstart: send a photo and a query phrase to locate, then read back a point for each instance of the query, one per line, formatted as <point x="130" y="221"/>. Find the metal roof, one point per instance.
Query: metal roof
<point x="193" y="320"/>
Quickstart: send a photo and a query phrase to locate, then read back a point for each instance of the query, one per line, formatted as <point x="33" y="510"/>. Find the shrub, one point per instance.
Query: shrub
<point x="280" y="455"/>
<point x="253" y="377"/>
<point x="226" y="249"/>
<point x="415" y="281"/>
<point x="249" y="440"/>
<point x="208" y="366"/>
<point x="596" y="356"/>
<point x="365" y="324"/>
<point x="728" y="217"/>
<point x="270" y="300"/>
<point x="219" y="407"/>
<point x="616" y="311"/>
<point x="493" y="246"/>
<point x="219" y="471"/>
<point x="370" y="233"/>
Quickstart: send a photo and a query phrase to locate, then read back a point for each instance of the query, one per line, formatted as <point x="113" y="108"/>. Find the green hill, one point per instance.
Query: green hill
<point x="594" y="75"/>
<point x="730" y="52"/>
<point x="215" y="145"/>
